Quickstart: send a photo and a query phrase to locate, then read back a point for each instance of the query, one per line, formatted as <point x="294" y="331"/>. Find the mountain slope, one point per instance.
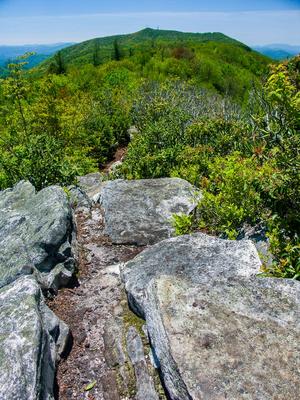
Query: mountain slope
<point x="82" y="53"/>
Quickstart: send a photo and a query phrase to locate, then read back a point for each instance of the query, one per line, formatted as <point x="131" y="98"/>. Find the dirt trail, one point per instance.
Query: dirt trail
<point x="97" y="313"/>
<point x="119" y="155"/>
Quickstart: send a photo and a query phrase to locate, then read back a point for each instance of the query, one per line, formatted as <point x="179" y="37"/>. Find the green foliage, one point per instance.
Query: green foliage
<point x="190" y="98"/>
<point x="117" y="51"/>
<point x="177" y="138"/>
<point x="40" y="160"/>
<point x="60" y="125"/>
<point x="57" y="66"/>
<point x="90" y="386"/>
<point x="210" y="60"/>
<point x="286" y="253"/>
<point x="234" y="193"/>
<point x="246" y="165"/>
<point x="182" y="223"/>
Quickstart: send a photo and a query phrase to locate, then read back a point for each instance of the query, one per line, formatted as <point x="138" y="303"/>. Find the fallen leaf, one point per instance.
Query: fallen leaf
<point x="90" y="386"/>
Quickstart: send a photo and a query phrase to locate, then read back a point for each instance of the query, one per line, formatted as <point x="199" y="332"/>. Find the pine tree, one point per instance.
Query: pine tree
<point x="117" y="52"/>
<point x="96" y="54"/>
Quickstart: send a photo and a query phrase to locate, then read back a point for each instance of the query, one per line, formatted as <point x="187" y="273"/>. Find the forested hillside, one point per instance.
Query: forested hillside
<point x="83" y="53"/>
<point x="211" y="60"/>
<point x="205" y="107"/>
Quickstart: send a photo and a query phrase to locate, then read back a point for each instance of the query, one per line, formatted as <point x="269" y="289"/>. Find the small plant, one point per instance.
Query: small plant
<point x="182" y="223"/>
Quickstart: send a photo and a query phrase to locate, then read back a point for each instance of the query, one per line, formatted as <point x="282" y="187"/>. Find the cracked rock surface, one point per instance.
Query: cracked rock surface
<point x="238" y="340"/>
<point x="214" y="330"/>
<point x="35" y="234"/>
<point x="218" y="331"/>
<point x="31" y="340"/>
<point x="140" y="211"/>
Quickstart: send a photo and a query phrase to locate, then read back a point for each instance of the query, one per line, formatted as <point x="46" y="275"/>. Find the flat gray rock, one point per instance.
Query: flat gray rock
<point x="234" y="340"/>
<point x="140" y="212"/>
<point x="31" y="340"/>
<point x="198" y="257"/>
<point x="35" y="232"/>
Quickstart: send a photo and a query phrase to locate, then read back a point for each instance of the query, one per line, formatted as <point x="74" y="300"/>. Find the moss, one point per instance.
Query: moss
<point x="131" y="319"/>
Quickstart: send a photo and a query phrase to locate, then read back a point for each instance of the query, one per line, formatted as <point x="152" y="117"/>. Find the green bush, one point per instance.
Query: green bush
<point x="234" y="194"/>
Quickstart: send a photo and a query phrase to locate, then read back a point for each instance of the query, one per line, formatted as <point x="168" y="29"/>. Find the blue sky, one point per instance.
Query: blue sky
<point x="50" y="21"/>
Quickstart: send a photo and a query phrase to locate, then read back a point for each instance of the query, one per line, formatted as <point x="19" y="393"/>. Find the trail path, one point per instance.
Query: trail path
<point x="98" y="316"/>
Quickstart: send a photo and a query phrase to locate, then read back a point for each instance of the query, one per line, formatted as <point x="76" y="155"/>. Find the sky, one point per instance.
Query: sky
<point x="255" y="22"/>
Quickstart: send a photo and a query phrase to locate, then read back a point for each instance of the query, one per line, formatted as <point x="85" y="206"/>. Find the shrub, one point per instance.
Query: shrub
<point x="234" y="194"/>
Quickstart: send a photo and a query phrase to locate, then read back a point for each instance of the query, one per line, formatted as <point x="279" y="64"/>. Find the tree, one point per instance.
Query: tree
<point x="117" y="52"/>
<point x="58" y="66"/>
<point x="96" y="54"/>
<point x="16" y="87"/>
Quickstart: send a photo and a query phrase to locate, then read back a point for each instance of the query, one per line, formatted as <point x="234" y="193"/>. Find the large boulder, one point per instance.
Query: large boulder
<point x="234" y="340"/>
<point x="198" y="257"/>
<point x="35" y="234"/>
<point x="31" y="340"/>
<point x="217" y="330"/>
<point x="140" y="212"/>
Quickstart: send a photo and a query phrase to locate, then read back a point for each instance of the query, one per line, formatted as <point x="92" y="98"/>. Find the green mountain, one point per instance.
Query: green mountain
<point x="83" y="53"/>
<point x="211" y="60"/>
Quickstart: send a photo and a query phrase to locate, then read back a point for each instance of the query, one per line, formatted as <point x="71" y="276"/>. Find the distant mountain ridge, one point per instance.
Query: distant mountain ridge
<point x="43" y="51"/>
<point x="278" y="51"/>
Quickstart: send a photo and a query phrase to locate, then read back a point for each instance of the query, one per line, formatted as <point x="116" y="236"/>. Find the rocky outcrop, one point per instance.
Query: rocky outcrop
<point x="198" y="257"/>
<point x="36" y="232"/>
<point x="235" y="340"/>
<point x="217" y="330"/>
<point x="35" y="235"/>
<point x="31" y="339"/>
<point x="140" y="212"/>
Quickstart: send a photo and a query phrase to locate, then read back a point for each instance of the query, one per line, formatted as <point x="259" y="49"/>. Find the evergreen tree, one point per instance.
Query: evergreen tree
<point x="117" y="52"/>
<point x="96" y="54"/>
<point x="58" y="66"/>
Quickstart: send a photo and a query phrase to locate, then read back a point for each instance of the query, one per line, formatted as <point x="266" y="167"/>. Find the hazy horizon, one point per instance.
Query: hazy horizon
<point x="49" y="22"/>
<point x="297" y="44"/>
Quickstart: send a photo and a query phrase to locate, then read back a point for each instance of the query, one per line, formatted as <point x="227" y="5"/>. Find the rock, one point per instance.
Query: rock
<point x="198" y="257"/>
<point x="144" y="382"/>
<point x="35" y="232"/>
<point x="110" y="386"/>
<point x="140" y="212"/>
<point x="31" y="340"/>
<point x="79" y="198"/>
<point x="235" y="339"/>
<point x="91" y="184"/>
<point x="258" y="236"/>
<point x="58" y="277"/>
<point x="113" y="342"/>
